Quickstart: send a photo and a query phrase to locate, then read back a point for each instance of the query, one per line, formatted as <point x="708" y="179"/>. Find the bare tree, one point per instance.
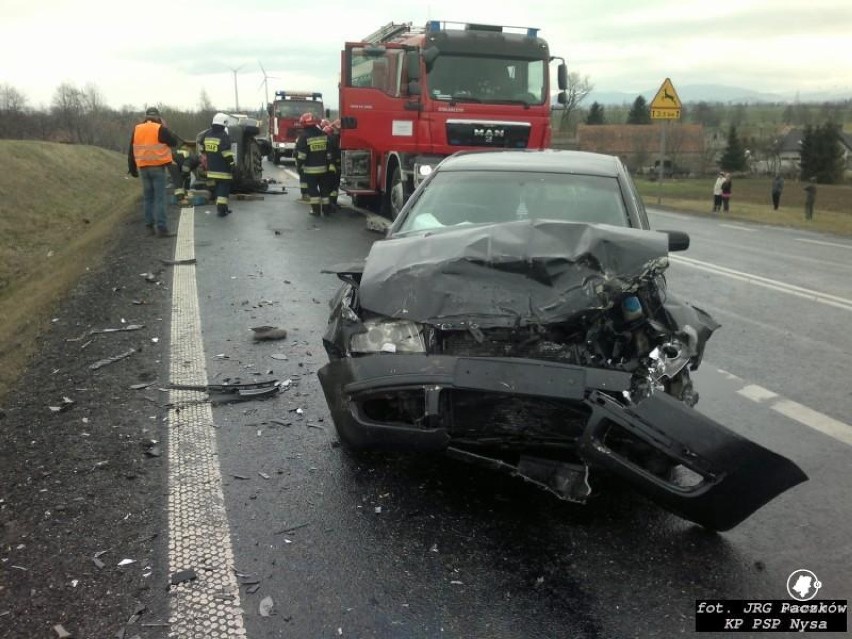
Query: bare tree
<point x="13" y="118"/>
<point x="67" y="107"/>
<point x="578" y="89"/>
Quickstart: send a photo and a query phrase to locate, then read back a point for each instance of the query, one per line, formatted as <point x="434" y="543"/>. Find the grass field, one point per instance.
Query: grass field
<point x="750" y="200"/>
<point x="59" y="205"/>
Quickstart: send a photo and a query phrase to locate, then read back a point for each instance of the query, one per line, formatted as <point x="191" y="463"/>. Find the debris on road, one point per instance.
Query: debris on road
<point x="183" y="576"/>
<point x="190" y="260"/>
<point x="279" y="356"/>
<point x="269" y="333"/>
<point x="219" y="394"/>
<point x="126" y="562"/>
<point x="111" y="360"/>
<point x="64" y="407"/>
<point x="61" y="632"/>
<point x="266" y="606"/>
<point x="123" y="329"/>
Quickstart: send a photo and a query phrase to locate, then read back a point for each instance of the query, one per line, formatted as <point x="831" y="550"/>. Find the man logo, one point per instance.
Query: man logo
<point x="489" y="134"/>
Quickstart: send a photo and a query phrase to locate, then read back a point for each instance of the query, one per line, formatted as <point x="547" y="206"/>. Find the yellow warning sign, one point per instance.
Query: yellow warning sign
<point x="666" y="104"/>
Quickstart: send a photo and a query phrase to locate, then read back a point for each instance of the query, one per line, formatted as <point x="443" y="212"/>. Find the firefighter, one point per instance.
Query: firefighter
<point x="216" y="145"/>
<point x="185" y="162"/>
<point x="312" y="152"/>
<point x="333" y="175"/>
<point x="303" y="183"/>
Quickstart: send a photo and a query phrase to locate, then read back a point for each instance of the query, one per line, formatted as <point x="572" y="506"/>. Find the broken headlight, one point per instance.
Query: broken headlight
<point x="388" y="336"/>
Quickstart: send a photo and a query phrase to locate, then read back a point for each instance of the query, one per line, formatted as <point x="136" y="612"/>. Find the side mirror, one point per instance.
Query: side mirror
<point x="562" y="97"/>
<point x="429" y="56"/>
<point x="562" y="76"/>
<point x="328" y="114"/>
<point x="269" y="108"/>
<point x="412" y="66"/>
<point x="414" y="88"/>
<point x="678" y="240"/>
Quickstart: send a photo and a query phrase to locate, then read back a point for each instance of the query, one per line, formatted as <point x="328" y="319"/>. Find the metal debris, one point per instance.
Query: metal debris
<point x="111" y="360"/>
<point x="191" y="260"/>
<point x="279" y="356"/>
<point x="123" y="329"/>
<point x="126" y="562"/>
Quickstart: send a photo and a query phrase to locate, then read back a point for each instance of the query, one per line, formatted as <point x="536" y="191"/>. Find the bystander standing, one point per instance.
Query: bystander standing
<point x="777" y="187"/>
<point x="149" y="157"/>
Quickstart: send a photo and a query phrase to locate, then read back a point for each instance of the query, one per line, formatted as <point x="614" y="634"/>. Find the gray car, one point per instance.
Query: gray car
<point x="517" y="316"/>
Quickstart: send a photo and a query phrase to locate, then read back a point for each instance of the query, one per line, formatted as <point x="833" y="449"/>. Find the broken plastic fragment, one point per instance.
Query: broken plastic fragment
<point x="126" y="562"/>
<point x="266" y="606"/>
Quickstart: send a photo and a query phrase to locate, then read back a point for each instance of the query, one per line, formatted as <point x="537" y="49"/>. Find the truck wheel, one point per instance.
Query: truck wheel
<point x="395" y="196"/>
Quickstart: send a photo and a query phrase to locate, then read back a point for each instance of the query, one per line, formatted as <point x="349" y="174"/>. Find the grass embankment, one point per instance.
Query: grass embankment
<point x="59" y="205"/>
<point x="751" y="200"/>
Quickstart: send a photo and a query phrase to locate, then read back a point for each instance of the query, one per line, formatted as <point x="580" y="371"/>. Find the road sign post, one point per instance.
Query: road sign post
<point x="665" y="106"/>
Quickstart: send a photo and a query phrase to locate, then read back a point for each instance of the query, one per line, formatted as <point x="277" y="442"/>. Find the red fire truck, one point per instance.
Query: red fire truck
<point x="284" y="115"/>
<point x="411" y="96"/>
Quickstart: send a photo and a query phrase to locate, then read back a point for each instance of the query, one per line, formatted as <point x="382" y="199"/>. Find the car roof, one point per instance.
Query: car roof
<point x="547" y="160"/>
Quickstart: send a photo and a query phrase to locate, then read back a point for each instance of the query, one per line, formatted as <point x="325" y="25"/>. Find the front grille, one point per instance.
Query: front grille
<point x="499" y="135"/>
<point x="479" y="415"/>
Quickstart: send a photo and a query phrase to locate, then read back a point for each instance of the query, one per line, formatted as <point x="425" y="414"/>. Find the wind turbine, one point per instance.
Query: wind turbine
<point x="265" y="83"/>
<point x="236" y="92"/>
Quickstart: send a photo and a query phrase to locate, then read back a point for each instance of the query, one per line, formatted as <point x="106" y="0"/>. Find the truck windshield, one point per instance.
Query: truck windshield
<point x="494" y="80"/>
<point x="295" y="108"/>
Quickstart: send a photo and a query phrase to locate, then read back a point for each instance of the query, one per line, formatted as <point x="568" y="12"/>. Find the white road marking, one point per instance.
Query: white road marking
<point x="765" y="282"/>
<point x="199" y="536"/>
<point x="738" y="227"/>
<point x="757" y="393"/>
<point x="816" y="420"/>
<point x="797" y="412"/>
<point x="801" y="239"/>
<point x="730" y="376"/>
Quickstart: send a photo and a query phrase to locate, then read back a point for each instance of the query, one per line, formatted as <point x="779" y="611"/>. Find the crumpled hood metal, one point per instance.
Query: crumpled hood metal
<point x="508" y="274"/>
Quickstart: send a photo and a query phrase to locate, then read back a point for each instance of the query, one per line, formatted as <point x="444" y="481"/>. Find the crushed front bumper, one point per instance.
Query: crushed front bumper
<point x="730" y="477"/>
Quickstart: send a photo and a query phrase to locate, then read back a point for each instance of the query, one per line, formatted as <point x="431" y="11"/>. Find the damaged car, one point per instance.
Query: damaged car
<point x="517" y="316"/>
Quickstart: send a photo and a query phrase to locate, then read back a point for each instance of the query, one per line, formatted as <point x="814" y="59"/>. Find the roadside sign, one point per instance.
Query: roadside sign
<point x="666" y="104"/>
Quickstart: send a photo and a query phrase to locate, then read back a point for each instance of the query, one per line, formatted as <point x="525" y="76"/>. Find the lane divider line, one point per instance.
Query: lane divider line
<point x="757" y="393"/>
<point x="765" y="282"/>
<point x="802" y="239"/>
<point x="739" y="228"/>
<point x="199" y="536"/>
<point x="798" y="412"/>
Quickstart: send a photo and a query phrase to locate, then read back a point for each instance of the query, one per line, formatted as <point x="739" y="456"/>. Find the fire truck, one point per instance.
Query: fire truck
<point x="410" y="96"/>
<point x="284" y="115"/>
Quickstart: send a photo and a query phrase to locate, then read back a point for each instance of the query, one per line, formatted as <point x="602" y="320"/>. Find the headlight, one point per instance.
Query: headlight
<point x="424" y="170"/>
<point x="388" y="336"/>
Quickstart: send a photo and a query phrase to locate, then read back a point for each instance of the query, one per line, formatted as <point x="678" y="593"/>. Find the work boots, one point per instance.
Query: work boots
<point x="316" y="209"/>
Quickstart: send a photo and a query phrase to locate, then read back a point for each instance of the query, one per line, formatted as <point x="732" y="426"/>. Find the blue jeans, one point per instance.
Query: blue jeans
<point x="154" y="195"/>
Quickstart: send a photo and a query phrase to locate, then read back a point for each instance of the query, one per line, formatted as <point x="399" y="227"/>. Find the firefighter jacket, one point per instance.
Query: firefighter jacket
<point x="312" y="151"/>
<point x="150" y="146"/>
<point x="216" y="145"/>
<point x="334" y="151"/>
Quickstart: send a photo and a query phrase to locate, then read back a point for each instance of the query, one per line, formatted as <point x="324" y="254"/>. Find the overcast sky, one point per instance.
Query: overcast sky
<point x="169" y="52"/>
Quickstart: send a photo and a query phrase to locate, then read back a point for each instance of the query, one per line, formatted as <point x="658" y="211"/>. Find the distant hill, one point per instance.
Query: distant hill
<point x="716" y="93"/>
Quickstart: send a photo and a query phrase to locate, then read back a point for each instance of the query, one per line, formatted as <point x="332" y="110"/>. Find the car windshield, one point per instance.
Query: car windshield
<point x="294" y="108"/>
<point x="452" y="198"/>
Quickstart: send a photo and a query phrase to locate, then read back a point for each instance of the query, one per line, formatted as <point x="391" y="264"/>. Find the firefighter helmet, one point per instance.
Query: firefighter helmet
<point x="307" y="119"/>
<point x="221" y="119"/>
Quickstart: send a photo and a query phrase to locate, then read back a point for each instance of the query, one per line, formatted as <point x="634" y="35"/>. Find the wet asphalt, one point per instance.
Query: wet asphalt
<point x="404" y="546"/>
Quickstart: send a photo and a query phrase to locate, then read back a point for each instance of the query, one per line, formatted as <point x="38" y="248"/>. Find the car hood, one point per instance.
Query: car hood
<point x="508" y="274"/>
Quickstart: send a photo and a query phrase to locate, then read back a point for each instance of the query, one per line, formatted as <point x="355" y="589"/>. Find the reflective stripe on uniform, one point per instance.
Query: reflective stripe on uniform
<point x="314" y="170"/>
<point x="216" y="175"/>
<point x="221" y="200"/>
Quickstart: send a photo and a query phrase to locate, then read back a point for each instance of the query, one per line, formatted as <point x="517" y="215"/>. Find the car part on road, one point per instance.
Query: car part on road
<point x="232" y="393"/>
